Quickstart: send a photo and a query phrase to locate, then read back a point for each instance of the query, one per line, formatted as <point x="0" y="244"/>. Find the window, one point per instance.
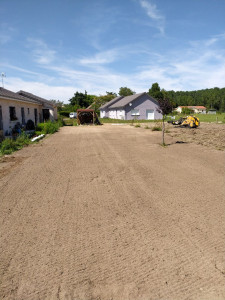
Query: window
<point x="28" y="111"/>
<point x="12" y="113"/>
<point x="135" y="112"/>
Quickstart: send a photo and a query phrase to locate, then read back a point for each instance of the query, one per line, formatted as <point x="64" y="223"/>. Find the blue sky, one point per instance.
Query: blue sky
<point x="54" y="48"/>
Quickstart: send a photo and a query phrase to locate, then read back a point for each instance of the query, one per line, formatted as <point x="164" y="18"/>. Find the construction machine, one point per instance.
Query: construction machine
<point x="189" y="121"/>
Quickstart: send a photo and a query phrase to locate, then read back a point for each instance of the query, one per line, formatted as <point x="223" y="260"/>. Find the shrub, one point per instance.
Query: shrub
<point x="137" y="125"/>
<point x="187" y="111"/>
<point x="22" y="140"/>
<point x="64" y="113"/>
<point x="49" y="127"/>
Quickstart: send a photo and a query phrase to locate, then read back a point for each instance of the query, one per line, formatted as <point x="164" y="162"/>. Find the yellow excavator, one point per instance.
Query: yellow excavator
<point x="189" y="121"/>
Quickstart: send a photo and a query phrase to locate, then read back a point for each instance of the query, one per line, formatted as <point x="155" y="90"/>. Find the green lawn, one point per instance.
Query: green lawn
<point x="206" y="118"/>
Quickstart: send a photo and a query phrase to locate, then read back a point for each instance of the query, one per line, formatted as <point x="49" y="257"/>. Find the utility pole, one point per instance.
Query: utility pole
<point x="3" y="75"/>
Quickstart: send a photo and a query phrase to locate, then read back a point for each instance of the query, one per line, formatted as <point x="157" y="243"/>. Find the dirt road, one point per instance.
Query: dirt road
<point x="107" y="213"/>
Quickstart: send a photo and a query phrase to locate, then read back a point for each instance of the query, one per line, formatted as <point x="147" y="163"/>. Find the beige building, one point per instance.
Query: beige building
<point x="22" y="106"/>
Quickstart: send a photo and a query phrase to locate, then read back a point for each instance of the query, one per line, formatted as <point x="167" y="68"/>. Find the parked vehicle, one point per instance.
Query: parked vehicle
<point x="73" y="115"/>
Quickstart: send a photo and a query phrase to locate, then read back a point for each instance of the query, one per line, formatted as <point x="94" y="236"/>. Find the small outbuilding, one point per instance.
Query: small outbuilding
<point x="87" y="116"/>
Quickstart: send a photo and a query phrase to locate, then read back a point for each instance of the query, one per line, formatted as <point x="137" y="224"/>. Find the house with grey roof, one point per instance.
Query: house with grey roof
<point x="139" y="106"/>
<point x="20" y="107"/>
<point x="48" y="110"/>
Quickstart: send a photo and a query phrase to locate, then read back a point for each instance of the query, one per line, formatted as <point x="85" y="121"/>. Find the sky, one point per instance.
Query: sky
<point x="53" y="48"/>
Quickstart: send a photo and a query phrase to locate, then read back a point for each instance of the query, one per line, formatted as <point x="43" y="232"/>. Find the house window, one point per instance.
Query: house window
<point x="28" y="111"/>
<point x="12" y="113"/>
<point x="135" y="112"/>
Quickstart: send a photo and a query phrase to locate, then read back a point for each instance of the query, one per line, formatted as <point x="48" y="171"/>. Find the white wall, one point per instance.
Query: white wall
<point x="29" y="114"/>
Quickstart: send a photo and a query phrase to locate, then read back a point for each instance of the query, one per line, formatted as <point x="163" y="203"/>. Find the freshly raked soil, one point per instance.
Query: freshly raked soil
<point x="105" y="212"/>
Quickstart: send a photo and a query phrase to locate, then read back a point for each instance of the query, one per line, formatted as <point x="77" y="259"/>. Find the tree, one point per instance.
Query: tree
<point x="165" y="107"/>
<point x="80" y="100"/>
<point x="155" y="91"/>
<point x="125" y="91"/>
<point x="102" y="99"/>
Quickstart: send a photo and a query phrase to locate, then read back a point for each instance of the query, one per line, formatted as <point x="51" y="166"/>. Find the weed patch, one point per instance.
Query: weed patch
<point x="156" y="128"/>
<point x="8" y="145"/>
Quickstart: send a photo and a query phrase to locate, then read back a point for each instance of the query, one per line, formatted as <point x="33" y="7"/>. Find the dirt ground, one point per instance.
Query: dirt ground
<point x="105" y="212"/>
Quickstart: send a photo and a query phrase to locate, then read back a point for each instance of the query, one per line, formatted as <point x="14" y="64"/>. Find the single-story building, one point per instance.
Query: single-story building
<point x="196" y="109"/>
<point x="48" y="110"/>
<point x="139" y="106"/>
<point x="20" y="107"/>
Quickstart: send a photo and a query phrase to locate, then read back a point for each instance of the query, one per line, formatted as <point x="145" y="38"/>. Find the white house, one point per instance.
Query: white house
<point x="139" y="106"/>
<point x="19" y="108"/>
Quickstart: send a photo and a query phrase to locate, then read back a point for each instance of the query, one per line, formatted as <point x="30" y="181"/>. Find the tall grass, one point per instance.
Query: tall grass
<point x="8" y="145"/>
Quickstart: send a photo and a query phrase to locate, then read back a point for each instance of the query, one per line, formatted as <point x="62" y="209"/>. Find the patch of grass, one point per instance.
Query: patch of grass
<point x="107" y="120"/>
<point x="219" y="117"/>
<point x="156" y="128"/>
<point x="146" y="127"/>
<point x="8" y="146"/>
<point x="137" y="125"/>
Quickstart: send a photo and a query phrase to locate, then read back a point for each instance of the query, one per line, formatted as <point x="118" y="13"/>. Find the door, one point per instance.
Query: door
<point x="1" y="122"/>
<point x="46" y="114"/>
<point x="23" y="115"/>
<point x="35" y="116"/>
<point x="150" y="114"/>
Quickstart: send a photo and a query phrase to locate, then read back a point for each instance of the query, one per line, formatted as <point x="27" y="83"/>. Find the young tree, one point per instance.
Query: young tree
<point x="125" y="91"/>
<point x="165" y="107"/>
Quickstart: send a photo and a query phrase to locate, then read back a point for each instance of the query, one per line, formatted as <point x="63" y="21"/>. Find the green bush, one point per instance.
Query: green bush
<point x="64" y="113"/>
<point x="187" y="111"/>
<point x="48" y="127"/>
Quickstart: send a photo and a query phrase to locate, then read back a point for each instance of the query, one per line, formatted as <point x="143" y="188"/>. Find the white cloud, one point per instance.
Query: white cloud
<point x="104" y="57"/>
<point x="41" y="52"/>
<point x="43" y="90"/>
<point x="154" y="14"/>
<point x="200" y="65"/>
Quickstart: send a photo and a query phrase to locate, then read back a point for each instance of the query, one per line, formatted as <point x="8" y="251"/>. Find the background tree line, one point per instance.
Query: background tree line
<point x="213" y="98"/>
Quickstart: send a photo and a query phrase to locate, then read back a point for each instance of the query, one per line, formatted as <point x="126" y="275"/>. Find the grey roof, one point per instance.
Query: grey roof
<point x="126" y="100"/>
<point x="114" y="100"/>
<point x="15" y="96"/>
<point x="35" y="98"/>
